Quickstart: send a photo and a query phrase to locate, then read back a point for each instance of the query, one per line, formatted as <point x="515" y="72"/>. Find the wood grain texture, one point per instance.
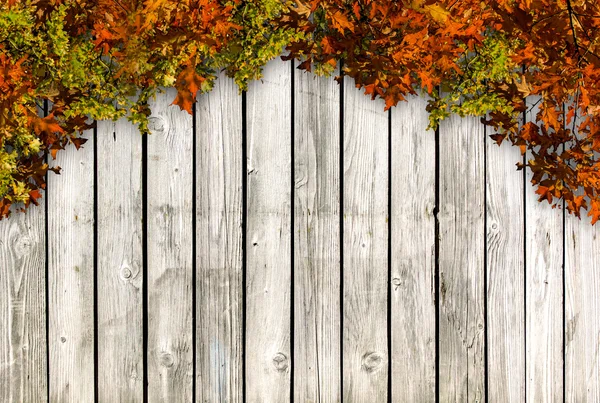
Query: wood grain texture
<point x="170" y="217"/>
<point x="461" y="260"/>
<point x="544" y="296"/>
<point x="582" y="304"/>
<point x="71" y="275"/>
<point x="268" y="242"/>
<point x="505" y="273"/>
<point x="582" y="307"/>
<point x="317" y="239"/>
<point x="219" y="305"/>
<point x="365" y="243"/>
<point x="23" y="307"/>
<point x="413" y="253"/>
<point x="120" y="262"/>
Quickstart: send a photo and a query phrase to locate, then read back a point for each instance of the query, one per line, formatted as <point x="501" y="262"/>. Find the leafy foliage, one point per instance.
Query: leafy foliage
<point x="104" y="59"/>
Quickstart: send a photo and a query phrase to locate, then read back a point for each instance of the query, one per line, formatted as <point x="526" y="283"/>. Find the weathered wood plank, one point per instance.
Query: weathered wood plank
<point x="120" y="260"/>
<point x="317" y="239"/>
<point x="582" y="305"/>
<point x="461" y="260"/>
<point x="71" y="275"/>
<point x="268" y="241"/>
<point x="219" y="255"/>
<point x="365" y="243"/>
<point x="23" y="348"/>
<point x="413" y="253"/>
<point x="169" y="237"/>
<point x="505" y="274"/>
<point x="544" y="296"/>
<point x="23" y="307"/>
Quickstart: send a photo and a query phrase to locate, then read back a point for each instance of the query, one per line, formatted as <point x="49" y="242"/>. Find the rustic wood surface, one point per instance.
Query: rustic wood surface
<point x="317" y="328"/>
<point x="269" y="236"/>
<point x="461" y="260"/>
<point x="413" y="254"/>
<point x="23" y="308"/>
<point x="365" y="242"/>
<point x="320" y="261"/>
<point x="170" y="261"/>
<point x="544" y="307"/>
<point x="120" y="262"/>
<point x="505" y="273"/>
<point x="582" y="304"/>
<point x="71" y="329"/>
<point x="219" y="214"/>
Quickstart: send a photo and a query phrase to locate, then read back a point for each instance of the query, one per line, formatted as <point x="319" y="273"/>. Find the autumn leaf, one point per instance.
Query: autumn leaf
<point x="341" y="22"/>
<point x="34" y="196"/>
<point x="437" y="12"/>
<point x="545" y="193"/>
<point x="47" y="124"/>
<point x="188" y="84"/>
<point x="594" y="211"/>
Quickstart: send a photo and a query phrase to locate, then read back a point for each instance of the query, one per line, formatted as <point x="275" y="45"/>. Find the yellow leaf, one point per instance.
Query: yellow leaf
<point x="437" y="12"/>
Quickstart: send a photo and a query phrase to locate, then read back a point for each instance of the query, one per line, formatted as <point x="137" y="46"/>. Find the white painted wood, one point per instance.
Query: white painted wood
<point x="505" y="273"/>
<point x="268" y="242"/>
<point x="71" y="275"/>
<point x="120" y="262"/>
<point x="170" y="260"/>
<point x="317" y="372"/>
<point x="413" y="253"/>
<point x="582" y="304"/>
<point x="219" y="305"/>
<point x="365" y="242"/>
<point x="544" y="295"/>
<point x="23" y="307"/>
<point x="461" y="260"/>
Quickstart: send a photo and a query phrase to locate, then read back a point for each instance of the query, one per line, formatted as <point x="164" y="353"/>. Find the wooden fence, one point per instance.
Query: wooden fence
<point x="296" y="243"/>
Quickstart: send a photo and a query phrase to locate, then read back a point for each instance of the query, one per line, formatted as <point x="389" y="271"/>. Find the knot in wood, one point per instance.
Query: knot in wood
<point x="166" y="359"/>
<point x="126" y="273"/>
<point x="23" y="246"/>
<point x="280" y="362"/>
<point x="371" y="361"/>
<point x="157" y="124"/>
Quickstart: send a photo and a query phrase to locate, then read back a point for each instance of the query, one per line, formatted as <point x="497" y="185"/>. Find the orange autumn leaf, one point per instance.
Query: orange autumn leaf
<point x="188" y="84"/>
<point x="47" y="124"/>
<point x="341" y="22"/>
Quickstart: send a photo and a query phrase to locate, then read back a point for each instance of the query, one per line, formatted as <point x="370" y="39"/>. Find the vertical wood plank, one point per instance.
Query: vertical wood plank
<point x="23" y="307"/>
<point x="71" y="275"/>
<point x="461" y="260"/>
<point x="544" y="295"/>
<point x="317" y="239"/>
<point x="170" y="215"/>
<point x="365" y="243"/>
<point x="582" y="304"/>
<point x="506" y="273"/>
<point x="413" y="253"/>
<point x="120" y="260"/>
<point x="268" y="241"/>
<point x="220" y="302"/>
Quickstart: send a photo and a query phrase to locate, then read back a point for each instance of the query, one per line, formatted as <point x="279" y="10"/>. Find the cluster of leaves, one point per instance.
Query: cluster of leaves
<point x="104" y="59"/>
<point x="483" y="59"/>
<point x="88" y="60"/>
